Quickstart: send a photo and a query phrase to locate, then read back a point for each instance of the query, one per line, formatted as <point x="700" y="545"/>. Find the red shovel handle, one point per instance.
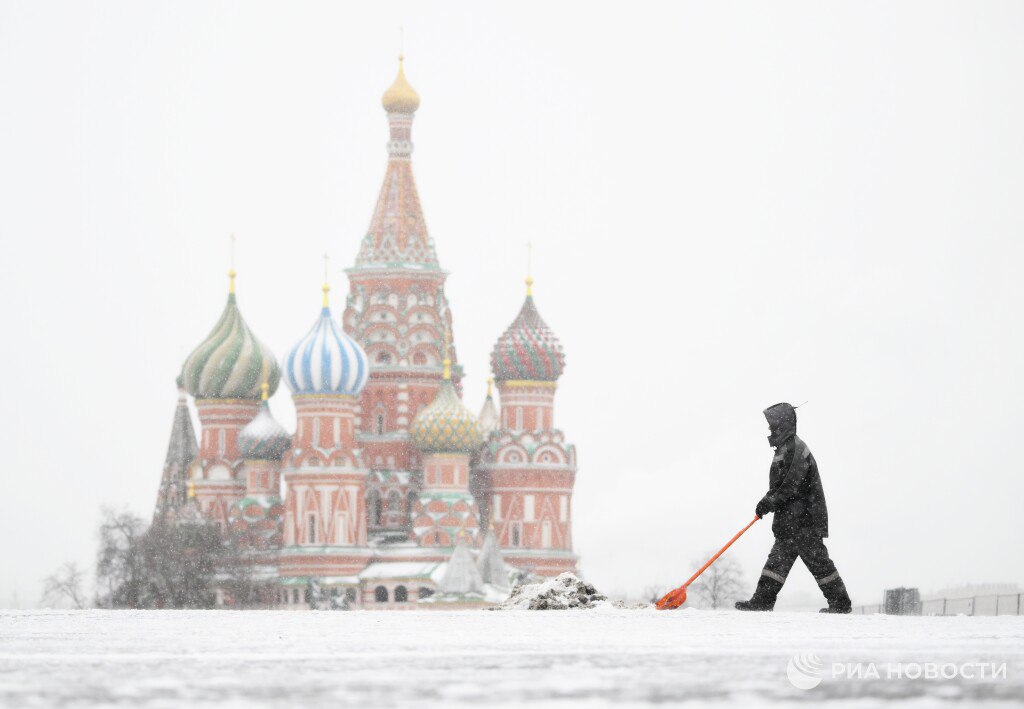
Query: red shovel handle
<point x="676" y="597"/>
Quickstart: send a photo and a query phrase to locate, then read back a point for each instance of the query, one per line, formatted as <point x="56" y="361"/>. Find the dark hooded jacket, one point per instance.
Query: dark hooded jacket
<point x="794" y="486"/>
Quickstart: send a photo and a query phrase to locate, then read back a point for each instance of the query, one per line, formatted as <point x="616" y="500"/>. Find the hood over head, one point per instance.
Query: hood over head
<point x="781" y="423"/>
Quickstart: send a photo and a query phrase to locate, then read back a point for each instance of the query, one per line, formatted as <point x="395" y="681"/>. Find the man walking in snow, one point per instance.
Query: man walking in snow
<point x="800" y="526"/>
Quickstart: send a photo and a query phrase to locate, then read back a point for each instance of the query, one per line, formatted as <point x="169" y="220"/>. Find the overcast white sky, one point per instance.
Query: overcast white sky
<point x="731" y="204"/>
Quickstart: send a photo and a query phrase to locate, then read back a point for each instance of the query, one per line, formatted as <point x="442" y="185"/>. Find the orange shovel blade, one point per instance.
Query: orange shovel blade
<point x="672" y="599"/>
<point x="677" y="597"/>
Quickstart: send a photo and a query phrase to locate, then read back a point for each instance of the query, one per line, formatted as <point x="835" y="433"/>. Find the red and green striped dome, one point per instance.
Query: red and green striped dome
<point x="528" y="350"/>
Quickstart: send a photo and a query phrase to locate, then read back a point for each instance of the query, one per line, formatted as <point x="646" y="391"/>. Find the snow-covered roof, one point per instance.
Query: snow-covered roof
<point x="384" y="570"/>
<point x="322" y="580"/>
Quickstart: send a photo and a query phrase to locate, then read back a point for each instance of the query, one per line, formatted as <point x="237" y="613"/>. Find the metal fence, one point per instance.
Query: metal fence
<point x="994" y="604"/>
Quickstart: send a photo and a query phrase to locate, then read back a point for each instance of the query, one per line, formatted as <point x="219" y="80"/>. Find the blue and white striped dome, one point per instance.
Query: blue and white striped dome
<point x="326" y="361"/>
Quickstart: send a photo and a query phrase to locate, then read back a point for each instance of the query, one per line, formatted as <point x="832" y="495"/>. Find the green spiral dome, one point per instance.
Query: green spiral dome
<point x="230" y="363"/>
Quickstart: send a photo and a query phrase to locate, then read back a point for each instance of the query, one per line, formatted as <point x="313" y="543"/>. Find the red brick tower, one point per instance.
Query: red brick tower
<point x="527" y="467"/>
<point x="397" y="310"/>
<point x="224" y="374"/>
<point x="325" y="533"/>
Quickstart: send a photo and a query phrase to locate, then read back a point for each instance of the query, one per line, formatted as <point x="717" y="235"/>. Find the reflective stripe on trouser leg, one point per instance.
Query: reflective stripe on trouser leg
<point x="780" y="560"/>
<point x="828" y="579"/>
<point x="814" y="554"/>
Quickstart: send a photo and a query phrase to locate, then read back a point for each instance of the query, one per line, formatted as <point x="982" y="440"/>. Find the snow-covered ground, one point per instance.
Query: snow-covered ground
<point x="488" y="658"/>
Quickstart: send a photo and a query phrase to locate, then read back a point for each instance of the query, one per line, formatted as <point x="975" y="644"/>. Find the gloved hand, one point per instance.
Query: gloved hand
<point x="764" y="507"/>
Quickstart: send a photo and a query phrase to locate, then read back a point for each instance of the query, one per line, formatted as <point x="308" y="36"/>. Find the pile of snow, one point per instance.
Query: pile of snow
<point x="560" y="593"/>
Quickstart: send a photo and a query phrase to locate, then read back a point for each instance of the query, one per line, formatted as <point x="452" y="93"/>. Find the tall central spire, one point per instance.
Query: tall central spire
<point x="398" y="233"/>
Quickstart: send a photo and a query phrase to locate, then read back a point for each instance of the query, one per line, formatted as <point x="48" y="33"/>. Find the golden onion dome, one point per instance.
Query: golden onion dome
<point x="446" y="425"/>
<point x="400" y="96"/>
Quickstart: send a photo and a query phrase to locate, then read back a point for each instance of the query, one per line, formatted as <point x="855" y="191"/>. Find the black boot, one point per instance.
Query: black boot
<point x="764" y="596"/>
<point x="837" y="597"/>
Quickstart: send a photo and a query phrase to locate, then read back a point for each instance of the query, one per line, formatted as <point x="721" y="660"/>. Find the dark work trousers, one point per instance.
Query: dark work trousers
<point x="810" y="547"/>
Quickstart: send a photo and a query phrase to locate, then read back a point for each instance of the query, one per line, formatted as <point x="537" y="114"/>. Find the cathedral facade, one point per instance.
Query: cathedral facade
<point x="390" y="493"/>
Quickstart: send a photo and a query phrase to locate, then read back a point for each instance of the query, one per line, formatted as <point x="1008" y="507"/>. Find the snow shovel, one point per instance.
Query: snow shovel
<point x="677" y="597"/>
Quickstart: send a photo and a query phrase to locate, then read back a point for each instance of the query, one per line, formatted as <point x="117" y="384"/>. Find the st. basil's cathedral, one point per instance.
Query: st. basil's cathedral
<point x="395" y="495"/>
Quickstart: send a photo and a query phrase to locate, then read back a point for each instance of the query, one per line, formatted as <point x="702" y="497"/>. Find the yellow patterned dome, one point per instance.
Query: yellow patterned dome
<point x="446" y="426"/>
<point x="400" y="96"/>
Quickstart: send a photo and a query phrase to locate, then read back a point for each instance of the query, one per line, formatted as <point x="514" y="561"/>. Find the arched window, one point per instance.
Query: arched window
<point x="401" y="594"/>
<point x="425" y="592"/>
<point x="383" y="358"/>
<point x="350" y="595"/>
<point x="419" y="359"/>
<point x="437" y="538"/>
<point x="380" y="594"/>
<point x="410" y="504"/>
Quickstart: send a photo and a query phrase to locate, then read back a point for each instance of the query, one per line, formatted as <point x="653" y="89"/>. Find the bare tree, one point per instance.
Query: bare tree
<point x="179" y="562"/>
<point x="169" y="565"/>
<point x="120" y="572"/>
<point x="720" y="586"/>
<point x="65" y="584"/>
